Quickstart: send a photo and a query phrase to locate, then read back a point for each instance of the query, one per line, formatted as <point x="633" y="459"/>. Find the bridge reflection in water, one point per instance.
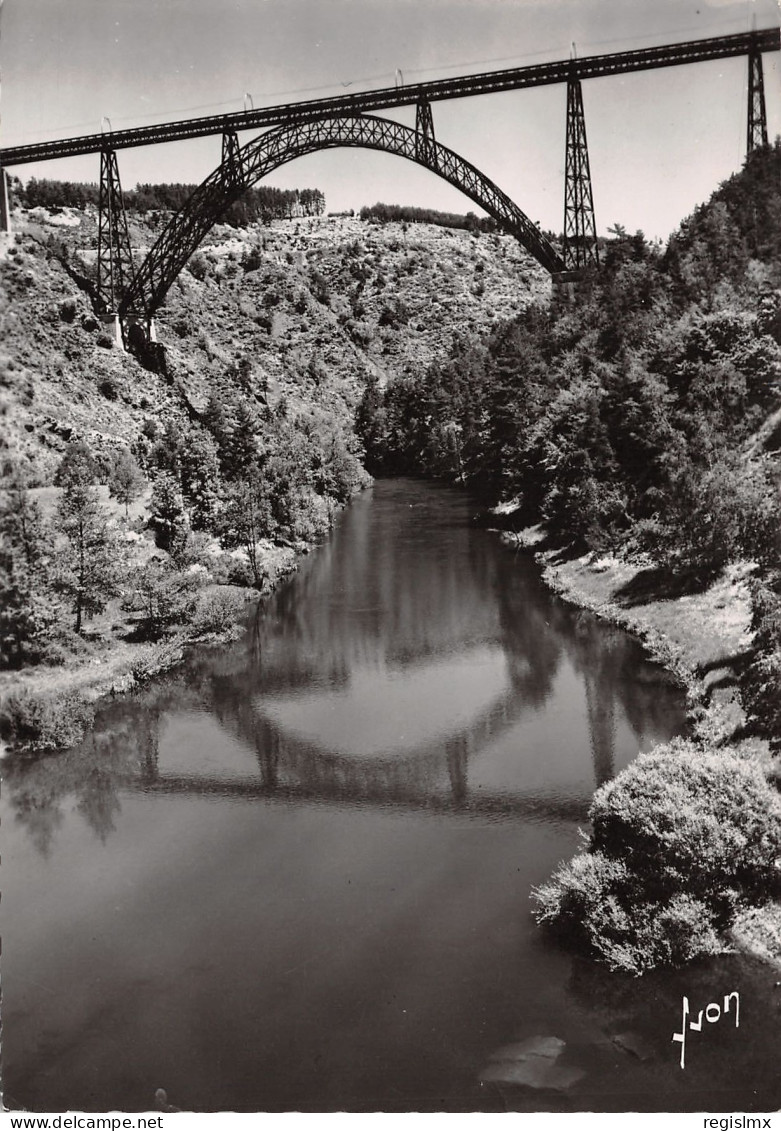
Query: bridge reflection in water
<point x="383" y="677"/>
<point x="402" y="666"/>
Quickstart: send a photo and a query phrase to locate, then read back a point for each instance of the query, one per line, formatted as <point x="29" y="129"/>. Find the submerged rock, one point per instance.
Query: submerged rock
<point x="634" y="1044"/>
<point x="533" y="1063"/>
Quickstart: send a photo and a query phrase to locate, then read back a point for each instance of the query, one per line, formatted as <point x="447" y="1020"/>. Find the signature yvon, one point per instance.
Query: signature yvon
<point x="712" y="1013"/>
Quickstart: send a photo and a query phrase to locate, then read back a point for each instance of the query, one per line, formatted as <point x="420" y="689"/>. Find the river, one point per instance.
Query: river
<point x="294" y="874"/>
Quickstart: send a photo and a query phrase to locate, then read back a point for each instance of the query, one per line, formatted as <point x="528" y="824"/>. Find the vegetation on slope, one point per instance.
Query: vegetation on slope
<point x="263" y="203"/>
<point x="640" y="420"/>
<point x="184" y="486"/>
<point x="385" y="213"/>
<point x="301" y="310"/>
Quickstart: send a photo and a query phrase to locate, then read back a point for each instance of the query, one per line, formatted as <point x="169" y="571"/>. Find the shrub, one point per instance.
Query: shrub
<point x="164" y="598"/>
<point x="239" y="572"/>
<point x="308" y="515"/>
<point x="760" y="680"/>
<point x="575" y="892"/>
<point x="653" y="934"/>
<point x="684" y="820"/>
<point x="251" y="259"/>
<point x="218" y="611"/>
<point x="108" y="388"/>
<point x="45" y="721"/>
<point x="318" y="285"/>
<point x="718" y="515"/>
<point x="198" y="266"/>
<point x="681" y="840"/>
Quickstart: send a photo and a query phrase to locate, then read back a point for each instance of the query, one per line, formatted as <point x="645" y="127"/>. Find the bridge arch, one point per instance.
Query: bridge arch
<point x="243" y="167"/>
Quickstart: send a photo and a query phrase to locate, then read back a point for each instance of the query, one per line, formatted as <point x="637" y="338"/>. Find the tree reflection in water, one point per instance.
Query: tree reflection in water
<point x="90" y="774"/>
<point x="399" y="593"/>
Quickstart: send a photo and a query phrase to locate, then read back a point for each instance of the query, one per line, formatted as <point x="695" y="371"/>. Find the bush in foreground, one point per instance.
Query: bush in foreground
<point x="681" y="840"/>
<point x="45" y="721"/>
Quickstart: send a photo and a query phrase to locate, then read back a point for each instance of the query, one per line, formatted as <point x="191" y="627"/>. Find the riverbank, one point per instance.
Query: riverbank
<point x="49" y="707"/>
<point x="696" y="636"/>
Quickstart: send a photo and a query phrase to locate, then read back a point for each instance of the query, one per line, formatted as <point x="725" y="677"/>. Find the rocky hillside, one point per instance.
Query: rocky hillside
<point x="304" y="310"/>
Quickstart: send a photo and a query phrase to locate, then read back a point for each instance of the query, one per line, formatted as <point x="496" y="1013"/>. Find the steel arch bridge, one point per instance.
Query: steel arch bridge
<point x="130" y="298"/>
<point x="241" y="167"/>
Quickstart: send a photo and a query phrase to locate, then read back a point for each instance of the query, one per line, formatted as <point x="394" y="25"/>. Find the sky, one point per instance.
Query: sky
<point x="659" y="141"/>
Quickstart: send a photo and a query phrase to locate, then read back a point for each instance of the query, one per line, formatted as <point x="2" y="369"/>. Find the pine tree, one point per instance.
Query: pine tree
<point x="87" y="570"/>
<point x="166" y="453"/>
<point x="239" y="452"/>
<point x="21" y="574"/>
<point x="200" y="478"/>
<point x="126" y="481"/>
<point x="168" y="516"/>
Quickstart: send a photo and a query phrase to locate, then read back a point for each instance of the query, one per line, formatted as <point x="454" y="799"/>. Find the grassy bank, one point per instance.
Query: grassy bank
<point x="697" y="636"/>
<point x="623" y="908"/>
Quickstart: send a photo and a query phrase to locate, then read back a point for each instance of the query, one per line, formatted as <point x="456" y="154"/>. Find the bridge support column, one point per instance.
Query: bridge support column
<point x="756" y="133"/>
<point x="580" y="232"/>
<point x="425" y="142"/>
<point x="5" y="203"/>
<point x="115" y="260"/>
<point x="232" y="167"/>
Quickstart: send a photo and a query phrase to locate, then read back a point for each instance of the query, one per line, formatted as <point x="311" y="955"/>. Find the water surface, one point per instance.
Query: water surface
<point x="295" y="873"/>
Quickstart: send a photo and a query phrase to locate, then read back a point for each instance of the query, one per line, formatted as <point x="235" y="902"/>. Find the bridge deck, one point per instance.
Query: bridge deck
<point x="491" y="82"/>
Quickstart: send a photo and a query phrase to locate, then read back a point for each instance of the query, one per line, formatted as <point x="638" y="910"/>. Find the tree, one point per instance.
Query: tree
<point x="371" y="424"/>
<point x="126" y="481"/>
<point x="200" y="472"/>
<point x="168" y="520"/>
<point x="77" y="464"/>
<point x="239" y="449"/>
<point x="87" y="570"/>
<point x="215" y="417"/>
<point x="247" y="517"/>
<point x="21" y="574"/>
<point x="760" y="681"/>
<point x="166" y="454"/>
<point x="164" y="597"/>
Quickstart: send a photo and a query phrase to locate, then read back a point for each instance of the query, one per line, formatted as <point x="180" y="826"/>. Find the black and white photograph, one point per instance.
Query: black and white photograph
<point x="390" y="562"/>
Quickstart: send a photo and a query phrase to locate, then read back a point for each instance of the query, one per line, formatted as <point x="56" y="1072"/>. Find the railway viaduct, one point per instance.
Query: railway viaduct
<point x="129" y="294"/>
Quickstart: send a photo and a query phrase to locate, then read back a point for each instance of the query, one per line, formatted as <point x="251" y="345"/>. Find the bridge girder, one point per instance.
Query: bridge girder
<point x="244" y="167"/>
